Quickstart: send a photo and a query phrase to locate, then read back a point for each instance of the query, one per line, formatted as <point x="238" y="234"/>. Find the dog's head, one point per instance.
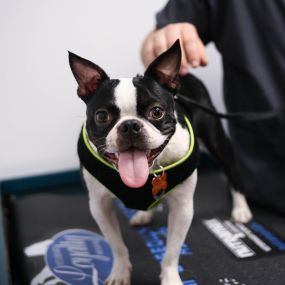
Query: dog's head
<point x="130" y="120"/>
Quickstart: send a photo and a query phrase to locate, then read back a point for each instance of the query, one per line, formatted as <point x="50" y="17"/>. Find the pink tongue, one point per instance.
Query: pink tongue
<point x="133" y="168"/>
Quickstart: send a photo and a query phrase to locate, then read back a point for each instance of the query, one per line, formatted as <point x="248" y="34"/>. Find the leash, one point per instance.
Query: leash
<point x="242" y="116"/>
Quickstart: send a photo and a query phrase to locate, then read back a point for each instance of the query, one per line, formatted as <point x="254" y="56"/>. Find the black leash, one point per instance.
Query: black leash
<point x="246" y="116"/>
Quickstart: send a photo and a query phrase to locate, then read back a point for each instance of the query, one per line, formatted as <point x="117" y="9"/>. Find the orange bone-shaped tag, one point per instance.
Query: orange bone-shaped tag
<point x="159" y="185"/>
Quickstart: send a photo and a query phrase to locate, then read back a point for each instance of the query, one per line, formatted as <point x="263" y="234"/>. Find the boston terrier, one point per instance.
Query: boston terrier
<point x="140" y="144"/>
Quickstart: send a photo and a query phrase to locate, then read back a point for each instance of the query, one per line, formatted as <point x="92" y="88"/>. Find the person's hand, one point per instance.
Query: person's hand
<point x="193" y="49"/>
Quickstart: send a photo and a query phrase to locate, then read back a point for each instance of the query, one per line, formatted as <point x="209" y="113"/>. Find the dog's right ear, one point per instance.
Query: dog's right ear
<point x="87" y="74"/>
<point x="165" y="68"/>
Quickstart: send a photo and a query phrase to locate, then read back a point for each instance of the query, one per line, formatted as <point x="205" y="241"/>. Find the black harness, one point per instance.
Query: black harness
<point x="140" y="198"/>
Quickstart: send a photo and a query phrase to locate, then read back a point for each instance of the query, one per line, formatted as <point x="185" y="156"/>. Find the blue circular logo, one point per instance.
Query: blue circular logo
<point x="80" y="257"/>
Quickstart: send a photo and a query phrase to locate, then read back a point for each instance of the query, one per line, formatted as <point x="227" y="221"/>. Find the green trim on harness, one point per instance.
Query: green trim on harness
<point x="181" y="160"/>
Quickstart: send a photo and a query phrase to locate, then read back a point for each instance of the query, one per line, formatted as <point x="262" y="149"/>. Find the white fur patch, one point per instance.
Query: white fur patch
<point x="176" y="148"/>
<point x="153" y="138"/>
<point x="241" y="212"/>
<point x="126" y="97"/>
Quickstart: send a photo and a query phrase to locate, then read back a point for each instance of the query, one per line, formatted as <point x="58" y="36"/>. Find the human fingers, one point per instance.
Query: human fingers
<point x="159" y="42"/>
<point x="154" y="45"/>
<point x="203" y="56"/>
<point x="192" y="45"/>
<point x="172" y="33"/>
<point x="147" y="50"/>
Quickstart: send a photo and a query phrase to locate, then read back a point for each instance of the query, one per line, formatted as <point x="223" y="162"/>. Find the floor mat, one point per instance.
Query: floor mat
<point x="54" y="240"/>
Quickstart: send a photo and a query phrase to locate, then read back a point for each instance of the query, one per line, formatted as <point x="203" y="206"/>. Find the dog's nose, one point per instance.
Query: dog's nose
<point x="130" y="127"/>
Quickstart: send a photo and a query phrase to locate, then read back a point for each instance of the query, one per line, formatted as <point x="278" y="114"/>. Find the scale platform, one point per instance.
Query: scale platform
<point x="54" y="240"/>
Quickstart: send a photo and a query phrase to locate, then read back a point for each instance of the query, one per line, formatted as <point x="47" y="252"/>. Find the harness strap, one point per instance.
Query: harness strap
<point x="140" y="198"/>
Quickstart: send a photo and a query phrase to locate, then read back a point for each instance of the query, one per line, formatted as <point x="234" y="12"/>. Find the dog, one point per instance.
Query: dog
<point x="138" y="143"/>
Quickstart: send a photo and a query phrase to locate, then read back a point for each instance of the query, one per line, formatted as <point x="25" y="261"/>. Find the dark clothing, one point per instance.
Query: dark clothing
<point x="249" y="34"/>
<point x="141" y="198"/>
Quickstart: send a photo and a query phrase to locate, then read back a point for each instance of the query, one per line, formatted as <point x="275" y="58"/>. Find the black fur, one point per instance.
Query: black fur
<point x="150" y="93"/>
<point x="208" y="128"/>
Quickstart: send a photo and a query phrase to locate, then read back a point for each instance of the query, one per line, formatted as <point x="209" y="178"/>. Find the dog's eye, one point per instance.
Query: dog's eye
<point x="102" y="117"/>
<point x="156" y="113"/>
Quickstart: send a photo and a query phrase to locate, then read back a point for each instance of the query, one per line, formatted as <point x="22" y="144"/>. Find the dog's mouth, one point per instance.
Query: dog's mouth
<point x="133" y="164"/>
<point x="150" y="154"/>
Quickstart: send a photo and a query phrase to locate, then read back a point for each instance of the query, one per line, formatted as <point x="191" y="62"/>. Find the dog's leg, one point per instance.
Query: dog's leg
<point x="141" y="218"/>
<point x="104" y="213"/>
<point x="240" y="211"/>
<point x="220" y="147"/>
<point x="179" y="220"/>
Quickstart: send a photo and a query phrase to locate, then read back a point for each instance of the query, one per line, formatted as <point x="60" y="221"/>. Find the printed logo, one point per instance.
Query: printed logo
<point x="230" y="281"/>
<point x="190" y="282"/>
<point x="79" y="257"/>
<point x="155" y="241"/>
<point x="232" y="239"/>
<point x="245" y="241"/>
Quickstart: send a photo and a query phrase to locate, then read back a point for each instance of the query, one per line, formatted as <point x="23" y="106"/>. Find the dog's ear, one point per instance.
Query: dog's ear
<point x="165" y="68"/>
<point x="87" y="74"/>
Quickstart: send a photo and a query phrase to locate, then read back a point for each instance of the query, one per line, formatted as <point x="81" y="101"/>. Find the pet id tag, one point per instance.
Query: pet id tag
<point x="159" y="185"/>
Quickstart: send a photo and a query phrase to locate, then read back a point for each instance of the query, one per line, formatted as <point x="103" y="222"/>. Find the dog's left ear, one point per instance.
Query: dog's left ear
<point x="87" y="74"/>
<point x="165" y="68"/>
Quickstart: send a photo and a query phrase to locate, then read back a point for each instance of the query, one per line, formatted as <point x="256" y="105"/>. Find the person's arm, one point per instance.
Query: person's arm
<point x="186" y="20"/>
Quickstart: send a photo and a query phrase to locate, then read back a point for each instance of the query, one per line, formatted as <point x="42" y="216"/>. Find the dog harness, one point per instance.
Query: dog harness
<point x="160" y="181"/>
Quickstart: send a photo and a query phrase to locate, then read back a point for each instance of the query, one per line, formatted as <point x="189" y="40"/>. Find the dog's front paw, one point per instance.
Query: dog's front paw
<point x="141" y="218"/>
<point x="241" y="215"/>
<point x="170" y="277"/>
<point x="120" y="274"/>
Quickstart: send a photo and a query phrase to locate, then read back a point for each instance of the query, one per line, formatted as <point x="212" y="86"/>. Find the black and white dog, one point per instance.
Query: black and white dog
<point x="138" y="143"/>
